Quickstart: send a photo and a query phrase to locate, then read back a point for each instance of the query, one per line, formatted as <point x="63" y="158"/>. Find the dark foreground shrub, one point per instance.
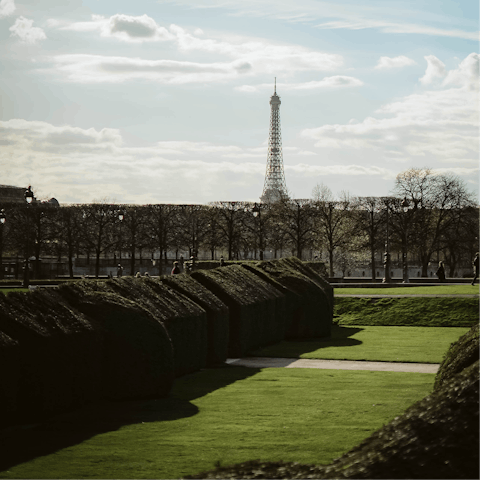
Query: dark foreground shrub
<point x="461" y="354"/>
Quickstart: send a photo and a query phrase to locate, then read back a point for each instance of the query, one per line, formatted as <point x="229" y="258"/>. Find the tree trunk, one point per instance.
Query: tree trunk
<point x="330" y="258"/>
<point x="372" y="256"/>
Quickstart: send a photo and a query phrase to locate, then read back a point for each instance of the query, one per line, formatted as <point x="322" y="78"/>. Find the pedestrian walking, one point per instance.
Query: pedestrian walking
<point x="175" y="269"/>
<point x="475" y="264"/>
<point x="441" y="272"/>
<point x="222" y="261"/>
<point x="119" y="270"/>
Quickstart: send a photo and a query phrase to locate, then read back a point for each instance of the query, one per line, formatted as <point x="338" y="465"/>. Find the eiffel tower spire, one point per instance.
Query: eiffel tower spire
<point x="275" y="187"/>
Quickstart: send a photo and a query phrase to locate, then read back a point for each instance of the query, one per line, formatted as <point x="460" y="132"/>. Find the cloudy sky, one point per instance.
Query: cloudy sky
<point x="167" y="101"/>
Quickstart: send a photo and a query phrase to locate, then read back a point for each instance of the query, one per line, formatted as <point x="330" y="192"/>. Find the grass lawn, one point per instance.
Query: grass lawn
<point x="216" y="416"/>
<point x="411" y="311"/>
<point x="372" y="343"/>
<point x="430" y="290"/>
<point x="6" y="291"/>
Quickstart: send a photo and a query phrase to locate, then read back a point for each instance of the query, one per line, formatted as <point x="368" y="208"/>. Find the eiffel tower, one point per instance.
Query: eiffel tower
<point x="275" y="187"/>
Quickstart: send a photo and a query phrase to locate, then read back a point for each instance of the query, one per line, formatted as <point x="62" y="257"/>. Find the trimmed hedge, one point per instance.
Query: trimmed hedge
<point x="217" y="314"/>
<point x="185" y="321"/>
<point x="137" y="352"/>
<point x="52" y="354"/>
<point x="310" y="272"/>
<point x="309" y="308"/>
<point x="256" y="309"/>
<point x="9" y="378"/>
<point x="128" y="338"/>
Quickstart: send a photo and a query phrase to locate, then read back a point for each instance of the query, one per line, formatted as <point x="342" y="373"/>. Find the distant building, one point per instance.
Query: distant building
<point x="9" y="194"/>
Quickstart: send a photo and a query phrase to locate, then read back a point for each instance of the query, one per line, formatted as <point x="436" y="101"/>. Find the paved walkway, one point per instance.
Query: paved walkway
<point x="381" y="295"/>
<point x="267" y="362"/>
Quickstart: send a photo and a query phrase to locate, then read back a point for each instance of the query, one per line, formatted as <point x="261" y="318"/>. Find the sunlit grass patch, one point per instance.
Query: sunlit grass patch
<point x="427" y="290"/>
<point x="408" y="311"/>
<point x="372" y="343"/>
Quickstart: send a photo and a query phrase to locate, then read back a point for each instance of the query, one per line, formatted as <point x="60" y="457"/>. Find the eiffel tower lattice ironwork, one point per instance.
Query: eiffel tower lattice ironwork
<point x="275" y="187"/>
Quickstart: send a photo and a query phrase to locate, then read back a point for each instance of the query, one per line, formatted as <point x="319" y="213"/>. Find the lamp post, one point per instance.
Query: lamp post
<point x="386" y="255"/>
<point x="3" y="219"/>
<point x="405" y="206"/>
<point x="121" y="216"/>
<point x="257" y="213"/>
<point x="28" y="195"/>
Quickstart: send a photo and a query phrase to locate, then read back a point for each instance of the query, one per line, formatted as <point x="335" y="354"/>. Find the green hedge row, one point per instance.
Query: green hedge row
<point x="309" y="298"/>
<point x="130" y="337"/>
<point x="256" y="309"/>
<point x="67" y="347"/>
<point x="215" y="309"/>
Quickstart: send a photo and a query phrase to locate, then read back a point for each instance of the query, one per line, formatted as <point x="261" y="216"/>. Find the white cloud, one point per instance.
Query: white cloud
<point x="435" y="69"/>
<point x="386" y="63"/>
<point x="98" y="68"/>
<point x="79" y="165"/>
<point x="43" y="136"/>
<point x="394" y="27"/>
<point x="7" y="7"/>
<point x="206" y="149"/>
<point x="23" y="29"/>
<point x="358" y="15"/>
<point x="353" y="170"/>
<point x="128" y="28"/>
<point x="434" y="126"/>
<point x="466" y="74"/>
<point x="71" y="163"/>
<point x="336" y="81"/>
<point x="261" y="54"/>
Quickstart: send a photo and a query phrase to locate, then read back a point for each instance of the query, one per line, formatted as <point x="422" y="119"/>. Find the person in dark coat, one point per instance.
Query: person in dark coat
<point x="441" y="272"/>
<point x="175" y="269"/>
<point x="475" y="268"/>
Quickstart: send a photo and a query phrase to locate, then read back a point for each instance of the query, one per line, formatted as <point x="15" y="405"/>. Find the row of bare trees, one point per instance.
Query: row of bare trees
<point x="426" y="215"/>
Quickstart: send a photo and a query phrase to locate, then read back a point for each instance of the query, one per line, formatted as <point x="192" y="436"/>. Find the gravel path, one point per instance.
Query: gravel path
<point x="267" y="362"/>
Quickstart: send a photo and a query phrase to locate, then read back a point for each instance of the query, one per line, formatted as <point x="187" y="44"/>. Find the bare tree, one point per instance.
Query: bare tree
<point x="68" y="232"/>
<point x="98" y="221"/>
<point x="295" y="218"/>
<point x="430" y="199"/>
<point x="368" y="221"/>
<point x="160" y="224"/>
<point x="230" y="222"/>
<point x="134" y="230"/>
<point x="333" y="221"/>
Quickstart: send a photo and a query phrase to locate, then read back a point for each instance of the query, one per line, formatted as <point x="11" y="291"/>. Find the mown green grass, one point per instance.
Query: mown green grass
<point x="412" y="311"/>
<point x="219" y="416"/>
<point x="6" y="291"/>
<point x="428" y="290"/>
<point x="372" y="343"/>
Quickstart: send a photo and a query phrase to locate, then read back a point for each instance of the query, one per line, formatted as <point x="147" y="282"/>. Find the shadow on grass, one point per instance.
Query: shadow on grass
<point x="340" y="337"/>
<point x="24" y="443"/>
